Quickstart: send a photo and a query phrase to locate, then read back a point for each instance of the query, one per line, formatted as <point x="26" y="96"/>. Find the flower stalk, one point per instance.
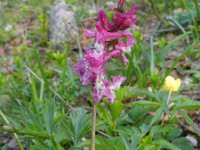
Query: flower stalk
<point x="94" y="111"/>
<point x="168" y="98"/>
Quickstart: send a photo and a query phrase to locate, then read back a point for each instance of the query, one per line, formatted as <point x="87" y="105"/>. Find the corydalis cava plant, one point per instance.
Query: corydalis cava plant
<point x="91" y="68"/>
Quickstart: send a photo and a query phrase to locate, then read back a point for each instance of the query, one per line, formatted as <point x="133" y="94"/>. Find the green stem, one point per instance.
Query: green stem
<point x="168" y="98"/>
<point x="113" y="127"/>
<point x="152" y="56"/>
<point x="44" y="76"/>
<point x="93" y="125"/>
<point x="43" y="135"/>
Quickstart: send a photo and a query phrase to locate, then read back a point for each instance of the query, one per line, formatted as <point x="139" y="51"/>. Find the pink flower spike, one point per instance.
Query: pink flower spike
<point x="106" y="36"/>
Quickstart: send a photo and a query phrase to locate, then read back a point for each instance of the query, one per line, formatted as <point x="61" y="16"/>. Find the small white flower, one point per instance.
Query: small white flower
<point x="150" y="89"/>
<point x="8" y="27"/>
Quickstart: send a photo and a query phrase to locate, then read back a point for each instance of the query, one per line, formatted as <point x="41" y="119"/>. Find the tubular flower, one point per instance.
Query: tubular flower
<point x="121" y="21"/>
<point x="106" y="34"/>
<point x="87" y="72"/>
<point x="171" y="84"/>
<point x="102" y="36"/>
<point x="106" y="89"/>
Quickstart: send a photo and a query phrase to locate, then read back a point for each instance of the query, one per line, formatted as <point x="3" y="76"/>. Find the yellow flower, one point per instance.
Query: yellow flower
<point x="171" y="84"/>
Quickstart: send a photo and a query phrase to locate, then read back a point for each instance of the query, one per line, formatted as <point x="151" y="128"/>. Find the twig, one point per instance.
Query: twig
<point x="103" y="134"/>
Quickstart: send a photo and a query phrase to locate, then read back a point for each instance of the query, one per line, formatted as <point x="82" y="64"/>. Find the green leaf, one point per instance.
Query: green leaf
<point x="144" y="128"/>
<point x="125" y="141"/>
<point x="49" y="116"/>
<point x="147" y="140"/>
<point x="183" y="143"/>
<point x="190" y="122"/>
<point x="130" y="142"/>
<point x="157" y="116"/>
<point x="35" y="134"/>
<point x="166" y="144"/>
<point x="128" y="130"/>
<point x="173" y="134"/>
<point x="114" y="143"/>
<point x="103" y="113"/>
<point x="143" y="117"/>
<point x="85" y="143"/>
<point x="120" y="94"/>
<point x="58" y="118"/>
<point x="143" y="103"/>
<point x="158" y="129"/>
<point x="40" y="146"/>
<point x="134" y="141"/>
<point x="189" y="105"/>
<point x="55" y="145"/>
<point x="78" y="125"/>
<point x="143" y="92"/>
<point x="147" y="143"/>
<point x="116" y="109"/>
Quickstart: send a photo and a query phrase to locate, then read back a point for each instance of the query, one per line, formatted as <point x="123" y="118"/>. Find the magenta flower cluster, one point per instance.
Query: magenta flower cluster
<point x="91" y="68"/>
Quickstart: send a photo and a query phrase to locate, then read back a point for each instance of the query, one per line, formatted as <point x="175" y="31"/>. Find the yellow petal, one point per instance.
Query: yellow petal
<point x="171" y="84"/>
<point x="177" y="85"/>
<point x="169" y="81"/>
